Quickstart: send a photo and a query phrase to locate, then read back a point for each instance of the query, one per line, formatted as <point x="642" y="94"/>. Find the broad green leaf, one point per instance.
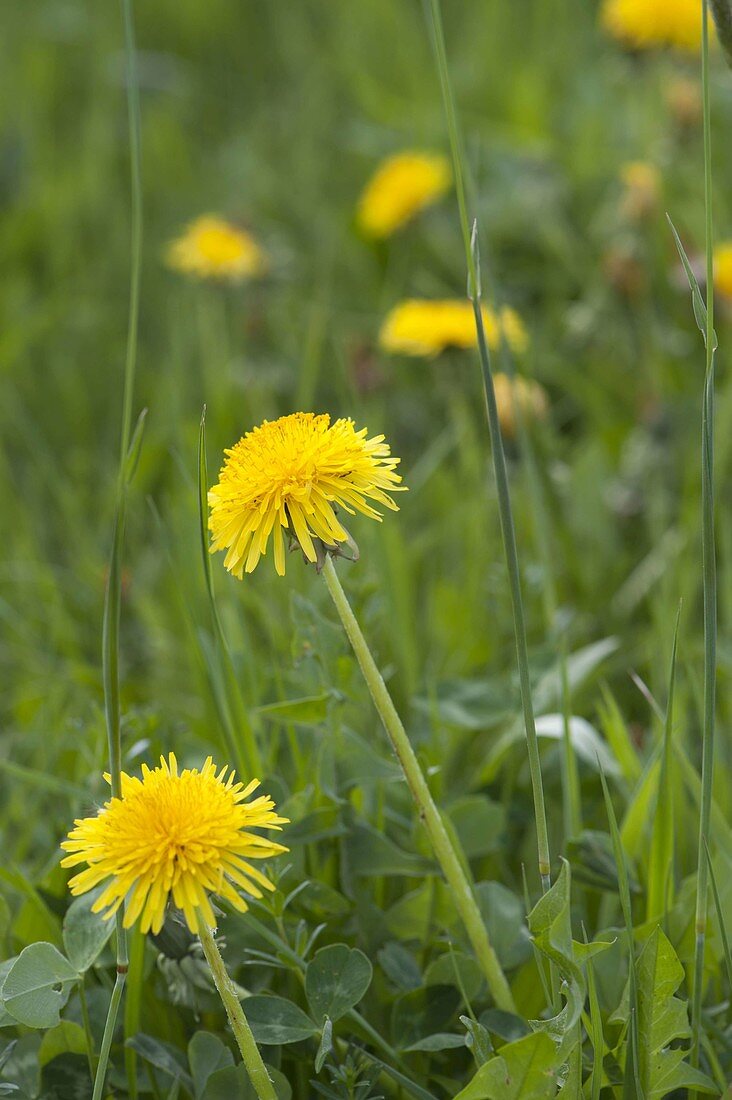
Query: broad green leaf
<point x="423" y="1012"/>
<point x="206" y="1055"/>
<point x="66" y="1078"/>
<point x="65" y="1038"/>
<point x="479" y="823"/>
<point x="504" y="915"/>
<point x="662" y="1019"/>
<point x="37" y="985"/>
<point x="399" y="966"/>
<point x="275" y="1021"/>
<point x="370" y="853"/>
<point x="524" y="1070"/>
<point x="458" y="969"/>
<point x="335" y="980"/>
<point x="477" y="1040"/>
<point x="85" y="933"/>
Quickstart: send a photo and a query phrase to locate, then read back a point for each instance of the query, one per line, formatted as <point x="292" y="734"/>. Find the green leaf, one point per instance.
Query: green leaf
<point x="66" y="1038"/>
<point x="275" y="1021"/>
<point x="335" y="980"/>
<point x="399" y="966"/>
<point x="85" y="933"/>
<point x="477" y="1040"/>
<point x="206" y="1055"/>
<point x="133" y="451"/>
<point x="232" y="1083"/>
<point x="441" y="1040"/>
<point x="38" y="985"/>
<point x="697" y="301"/>
<point x="370" y="853"/>
<point x="66" y="1078"/>
<point x="663" y="1018"/>
<point x="162" y="1056"/>
<point x="524" y="1070"/>
<point x="479" y="823"/>
<point x="458" y="969"/>
<point x="326" y="1044"/>
<point x="423" y="1012"/>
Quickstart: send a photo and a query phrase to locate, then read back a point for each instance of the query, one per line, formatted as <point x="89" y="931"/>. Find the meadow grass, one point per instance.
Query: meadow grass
<point x="357" y="975"/>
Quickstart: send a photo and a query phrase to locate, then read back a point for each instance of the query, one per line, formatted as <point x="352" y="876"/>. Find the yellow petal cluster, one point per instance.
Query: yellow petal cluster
<point x="290" y="475"/>
<point x="723" y="269"/>
<point x="400" y="188"/>
<point x="212" y="248"/>
<point x="425" y="327"/>
<point x="647" y="24"/>
<point x="642" y="189"/>
<point x="180" y="835"/>
<point x="517" y="394"/>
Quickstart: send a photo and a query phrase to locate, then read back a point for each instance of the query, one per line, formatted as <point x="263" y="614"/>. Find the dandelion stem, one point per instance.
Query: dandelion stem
<point x="499" y="458"/>
<point x="709" y="567"/>
<point x="109" y="1027"/>
<point x="251" y="1057"/>
<point x="445" y="853"/>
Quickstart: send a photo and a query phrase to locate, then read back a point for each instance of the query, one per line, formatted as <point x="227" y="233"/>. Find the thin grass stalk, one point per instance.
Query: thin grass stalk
<point x="709" y="567"/>
<point x="452" y="868"/>
<point x="661" y="868"/>
<point x="113" y="594"/>
<point x="255" y="1067"/>
<point x="499" y="458"/>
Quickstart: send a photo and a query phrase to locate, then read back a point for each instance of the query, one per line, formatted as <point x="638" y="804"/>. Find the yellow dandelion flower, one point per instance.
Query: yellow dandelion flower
<point x="425" y="327"/>
<point x="181" y="835"/>
<point x="401" y="187"/>
<point x="723" y="269"/>
<point x="211" y="248"/>
<point x="291" y="475"/>
<point x="642" y="189"/>
<point x="518" y="394"/>
<point x="646" y="24"/>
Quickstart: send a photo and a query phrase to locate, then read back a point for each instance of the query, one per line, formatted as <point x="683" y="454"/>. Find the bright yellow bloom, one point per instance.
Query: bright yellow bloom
<point x="211" y="248"/>
<point x="518" y="394"/>
<point x="290" y="475"/>
<point x="723" y="269"/>
<point x="425" y="327"/>
<point x="646" y="24"/>
<point x="400" y="188"/>
<point x="181" y="835"/>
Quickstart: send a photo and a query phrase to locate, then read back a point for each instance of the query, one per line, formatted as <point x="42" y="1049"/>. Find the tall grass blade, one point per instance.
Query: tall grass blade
<point x="660" y="869"/>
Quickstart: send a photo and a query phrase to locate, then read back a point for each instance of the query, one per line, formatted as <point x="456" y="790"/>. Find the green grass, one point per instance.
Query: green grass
<point x="276" y="114"/>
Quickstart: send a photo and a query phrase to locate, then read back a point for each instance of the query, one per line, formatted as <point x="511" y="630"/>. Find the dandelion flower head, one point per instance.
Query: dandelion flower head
<point x="290" y="475"/>
<point x="723" y="269"/>
<point x="180" y="835"/>
<point x="212" y="248"/>
<point x="425" y="327"/>
<point x="647" y="24"/>
<point x="517" y="395"/>
<point x="401" y="187"/>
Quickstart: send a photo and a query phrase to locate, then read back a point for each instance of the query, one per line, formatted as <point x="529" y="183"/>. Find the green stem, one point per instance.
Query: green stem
<point x="91" y="1056"/>
<point x="709" y="566"/>
<point x="452" y="869"/>
<point x="109" y="1027"/>
<point x="251" y="1057"/>
<point x="499" y="458"/>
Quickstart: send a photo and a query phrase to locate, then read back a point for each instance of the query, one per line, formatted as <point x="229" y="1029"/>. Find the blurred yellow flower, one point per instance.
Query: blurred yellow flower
<point x="212" y="248"/>
<point x="181" y="835"/>
<point x="642" y="189"/>
<point x="425" y="327"/>
<point x="400" y="188"/>
<point x="291" y="475"/>
<point x="518" y="394"/>
<point x="645" y="24"/>
<point x="723" y="269"/>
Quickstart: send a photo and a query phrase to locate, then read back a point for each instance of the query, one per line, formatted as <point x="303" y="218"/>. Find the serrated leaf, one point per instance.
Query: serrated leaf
<point x="335" y="980"/>
<point x="524" y="1070"/>
<point x="37" y="985"/>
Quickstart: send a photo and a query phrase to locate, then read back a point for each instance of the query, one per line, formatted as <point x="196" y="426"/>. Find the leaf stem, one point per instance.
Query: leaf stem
<point x="251" y="1057"/>
<point x="445" y="853"/>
